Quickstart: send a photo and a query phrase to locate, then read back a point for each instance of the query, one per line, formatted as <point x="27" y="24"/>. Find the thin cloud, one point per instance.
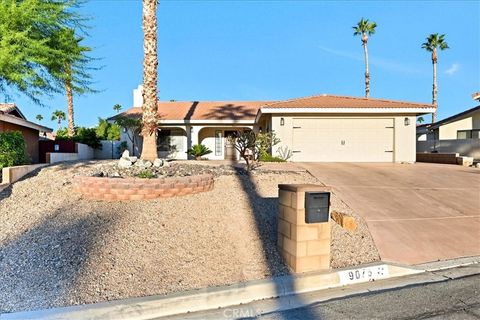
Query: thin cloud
<point x="374" y="61"/>
<point x="453" y="69"/>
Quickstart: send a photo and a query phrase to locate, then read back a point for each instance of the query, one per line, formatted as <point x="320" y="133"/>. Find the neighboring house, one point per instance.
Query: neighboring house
<point x="12" y="119"/>
<point x="459" y="133"/>
<point x="317" y="128"/>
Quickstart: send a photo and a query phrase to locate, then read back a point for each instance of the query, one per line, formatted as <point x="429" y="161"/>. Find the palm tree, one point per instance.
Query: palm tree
<point x="71" y="69"/>
<point x="59" y="116"/>
<point x="420" y="120"/>
<point x="39" y="117"/>
<point x="433" y="43"/>
<point x="150" y="97"/>
<point x="365" y="28"/>
<point x="117" y="108"/>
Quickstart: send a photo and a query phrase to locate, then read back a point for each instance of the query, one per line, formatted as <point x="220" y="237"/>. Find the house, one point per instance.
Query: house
<point x="12" y="119"/>
<point x="316" y="128"/>
<point x="459" y="133"/>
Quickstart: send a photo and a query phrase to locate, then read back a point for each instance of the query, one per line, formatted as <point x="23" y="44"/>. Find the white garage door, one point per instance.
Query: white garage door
<point x="342" y="140"/>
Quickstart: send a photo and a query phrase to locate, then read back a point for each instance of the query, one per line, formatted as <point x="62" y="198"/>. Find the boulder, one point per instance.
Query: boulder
<point x="125" y="154"/>
<point x="143" y="163"/>
<point x="133" y="159"/>
<point x="158" y="163"/>
<point x="166" y="163"/>
<point x="124" y="163"/>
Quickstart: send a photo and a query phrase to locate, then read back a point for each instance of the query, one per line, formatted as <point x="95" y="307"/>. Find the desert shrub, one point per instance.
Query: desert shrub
<point x="284" y="153"/>
<point x="269" y="158"/>
<point x="264" y="143"/>
<point x="198" y="151"/>
<point x="12" y="149"/>
<point x="146" y="174"/>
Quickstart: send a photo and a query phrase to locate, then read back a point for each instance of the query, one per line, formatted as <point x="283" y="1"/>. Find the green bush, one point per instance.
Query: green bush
<point x="12" y="149"/>
<point x="198" y="150"/>
<point x="146" y="174"/>
<point x="83" y="135"/>
<point x="269" y="158"/>
<point x="107" y="131"/>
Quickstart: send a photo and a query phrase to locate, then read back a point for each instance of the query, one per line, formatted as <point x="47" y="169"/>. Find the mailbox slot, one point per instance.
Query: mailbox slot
<point x="317" y="205"/>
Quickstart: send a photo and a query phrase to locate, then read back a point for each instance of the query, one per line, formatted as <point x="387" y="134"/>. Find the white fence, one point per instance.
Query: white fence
<point x="467" y="147"/>
<point x="84" y="152"/>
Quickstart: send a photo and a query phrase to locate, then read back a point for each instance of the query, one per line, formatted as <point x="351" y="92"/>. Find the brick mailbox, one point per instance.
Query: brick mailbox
<point x="304" y="226"/>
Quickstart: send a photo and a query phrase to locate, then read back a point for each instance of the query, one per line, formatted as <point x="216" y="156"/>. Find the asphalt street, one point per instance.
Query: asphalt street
<point x="450" y="299"/>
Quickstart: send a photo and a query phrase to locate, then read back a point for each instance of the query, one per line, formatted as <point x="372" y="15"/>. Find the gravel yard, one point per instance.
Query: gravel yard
<point x="57" y="248"/>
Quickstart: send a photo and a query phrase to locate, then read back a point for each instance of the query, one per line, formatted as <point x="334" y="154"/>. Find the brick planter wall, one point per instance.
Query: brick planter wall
<point x="140" y="189"/>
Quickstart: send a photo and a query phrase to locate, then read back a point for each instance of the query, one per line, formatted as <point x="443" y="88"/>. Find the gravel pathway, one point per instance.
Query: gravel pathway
<point x="57" y="248"/>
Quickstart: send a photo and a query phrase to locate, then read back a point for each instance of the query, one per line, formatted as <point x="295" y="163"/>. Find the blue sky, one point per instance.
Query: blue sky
<point x="268" y="50"/>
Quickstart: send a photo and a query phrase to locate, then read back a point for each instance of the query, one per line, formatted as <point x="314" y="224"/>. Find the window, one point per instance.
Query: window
<point x="468" y="134"/>
<point x="218" y="143"/>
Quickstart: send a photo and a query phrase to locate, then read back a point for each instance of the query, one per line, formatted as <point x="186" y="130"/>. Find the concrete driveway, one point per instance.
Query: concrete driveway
<point x="416" y="212"/>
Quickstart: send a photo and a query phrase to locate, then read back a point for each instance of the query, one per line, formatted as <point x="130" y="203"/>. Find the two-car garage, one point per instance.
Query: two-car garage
<point x="343" y="139"/>
<point x="328" y="128"/>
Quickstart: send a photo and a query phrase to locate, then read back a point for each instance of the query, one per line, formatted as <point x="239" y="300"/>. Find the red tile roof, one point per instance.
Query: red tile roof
<point x="247" y="110"/>
<point x="331" y="101"/>
<point x="203" y="110"/>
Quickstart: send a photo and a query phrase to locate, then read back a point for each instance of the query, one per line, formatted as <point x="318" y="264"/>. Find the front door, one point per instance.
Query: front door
<point x="230" y="152"/>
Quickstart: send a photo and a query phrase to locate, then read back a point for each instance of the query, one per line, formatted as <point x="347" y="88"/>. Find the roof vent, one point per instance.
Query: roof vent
<point x="324" y="94"/>
<point x="476" y="96"/>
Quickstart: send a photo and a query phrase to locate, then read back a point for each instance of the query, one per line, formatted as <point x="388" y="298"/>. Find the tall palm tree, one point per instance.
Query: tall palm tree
<point x="150" y="97"/>
<point x="420" y="120"/>
<point x="71" y="69"/>
<point x="59" y="116"/>
<point x="39" y="117"/>
<point x="117" y="108"/>
<point x="365" y="29"/>
<point x="434" y="43"/>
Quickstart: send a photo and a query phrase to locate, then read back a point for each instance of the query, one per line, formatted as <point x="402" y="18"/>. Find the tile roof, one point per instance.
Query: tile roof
<point x="7" y="107"/>
<point x="247" y="110"/>
<point x="203" y="110"/>
<point x="332" y="101"/>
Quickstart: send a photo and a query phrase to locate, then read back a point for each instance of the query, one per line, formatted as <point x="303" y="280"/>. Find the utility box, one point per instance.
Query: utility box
<point x="304" y="226"/>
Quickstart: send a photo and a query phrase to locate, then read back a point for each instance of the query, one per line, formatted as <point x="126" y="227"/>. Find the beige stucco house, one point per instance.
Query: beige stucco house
<point x="459" y="133"/>
<point x="317" y="128"/>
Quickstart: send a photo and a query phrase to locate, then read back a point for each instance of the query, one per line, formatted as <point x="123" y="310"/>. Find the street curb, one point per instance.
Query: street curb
<point x="208" y="298"/>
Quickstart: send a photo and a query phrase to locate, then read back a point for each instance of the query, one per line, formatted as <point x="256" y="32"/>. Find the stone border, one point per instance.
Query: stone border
<point x="141" y="189"/>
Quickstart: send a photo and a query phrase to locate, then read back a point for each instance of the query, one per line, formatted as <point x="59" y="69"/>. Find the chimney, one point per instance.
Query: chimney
<point x="476" y="96"/>
<point x="138" y="96"/>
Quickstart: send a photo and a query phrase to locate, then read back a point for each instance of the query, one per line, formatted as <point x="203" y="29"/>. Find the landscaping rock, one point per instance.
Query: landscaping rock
<point x="143" y="164"/>
<point x="125" y="154"/>
<point x="133" y="159"/>
<point x="124" y="163"/>
<point x="158" y="163"/>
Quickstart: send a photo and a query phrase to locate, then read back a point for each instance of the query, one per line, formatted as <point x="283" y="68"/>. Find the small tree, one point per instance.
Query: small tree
<point x="107" y="131"/>
<point x="132" y="126"/>
<point x="244" y="143"/>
